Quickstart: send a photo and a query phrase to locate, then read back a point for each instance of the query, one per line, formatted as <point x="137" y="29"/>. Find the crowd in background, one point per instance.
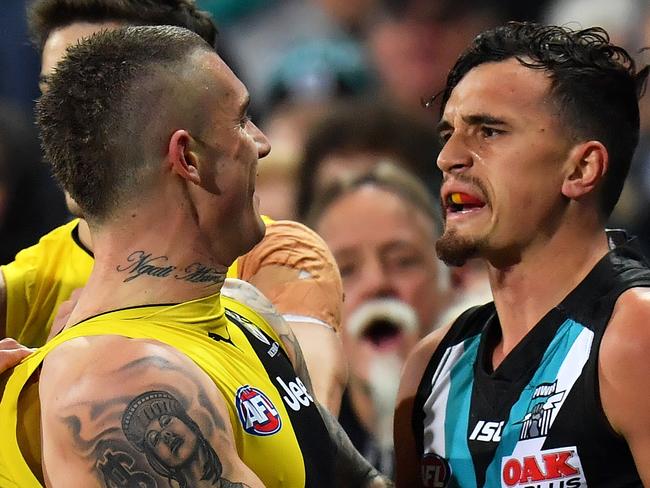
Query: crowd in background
<point x="341" y="88"/>
<point x="336" y="84"/>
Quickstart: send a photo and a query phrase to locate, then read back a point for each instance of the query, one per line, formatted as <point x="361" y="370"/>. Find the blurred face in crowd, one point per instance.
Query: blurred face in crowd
<point x="339" y="165"/>
<point x="414" y="52"/>
<point x="384" y="247"/>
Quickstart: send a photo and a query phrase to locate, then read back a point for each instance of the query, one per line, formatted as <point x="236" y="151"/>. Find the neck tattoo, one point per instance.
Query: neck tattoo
<point x="140" y="263"/>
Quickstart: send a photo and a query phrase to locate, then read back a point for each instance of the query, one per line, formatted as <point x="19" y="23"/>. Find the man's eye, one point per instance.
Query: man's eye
<point x="244" y="121"/>
<point x="490" y="131"/>
<point x="444" y="136"/>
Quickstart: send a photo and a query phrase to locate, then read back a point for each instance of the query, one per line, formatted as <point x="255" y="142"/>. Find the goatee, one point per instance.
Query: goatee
<point x="455" y="250"/>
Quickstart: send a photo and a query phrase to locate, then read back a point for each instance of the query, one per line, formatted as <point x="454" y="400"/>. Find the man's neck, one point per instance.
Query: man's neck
<point x="84" y="235"/>
<point x="525" y="292"/>
<point x="143" y="262"/>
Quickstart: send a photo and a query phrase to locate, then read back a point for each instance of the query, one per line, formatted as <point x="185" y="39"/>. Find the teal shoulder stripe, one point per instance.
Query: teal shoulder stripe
<point x="546" y="374"/>
<point x="457" y="417"/>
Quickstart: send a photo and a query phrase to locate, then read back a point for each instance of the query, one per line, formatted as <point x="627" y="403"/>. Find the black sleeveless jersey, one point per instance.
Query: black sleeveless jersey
<point x="537" y="420"/>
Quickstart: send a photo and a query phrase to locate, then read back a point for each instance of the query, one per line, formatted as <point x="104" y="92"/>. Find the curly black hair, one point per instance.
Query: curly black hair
<point x="44" y="16"/>
<point x="594" y="83"/>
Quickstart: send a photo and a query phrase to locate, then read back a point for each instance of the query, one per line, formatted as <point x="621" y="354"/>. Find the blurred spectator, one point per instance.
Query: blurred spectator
<point x="227" y="12"/>
<point x="287" y="128"/>
<point x="415" y="43"/>
<point x="319" y="71"/>
<point x="352" y="15"/>
<point x="381" y="228"/>
<point x="258" y="42"/>
<point x="30" y="202"/>
<point x="19" y="62"/>
<point x="619" y="19"/>
<point x="357" y="135"/>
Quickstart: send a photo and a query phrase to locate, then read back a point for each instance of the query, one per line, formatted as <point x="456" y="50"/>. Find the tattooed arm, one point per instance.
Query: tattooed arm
<point x="144" y="415"/>
<point x="351" y="469"/>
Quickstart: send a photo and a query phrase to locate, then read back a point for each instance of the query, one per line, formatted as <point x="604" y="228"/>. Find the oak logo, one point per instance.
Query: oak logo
<point x="558" y="468"/>
<point x="257" y="413"/>
<point x="297" y="395"/>
<point x="487" y="431"/>
<point x="436" y="471"/>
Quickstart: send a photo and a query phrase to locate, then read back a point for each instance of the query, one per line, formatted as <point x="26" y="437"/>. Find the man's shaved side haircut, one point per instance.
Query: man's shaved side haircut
<point x="44" y="16"/>
<point x="99" y="100"/>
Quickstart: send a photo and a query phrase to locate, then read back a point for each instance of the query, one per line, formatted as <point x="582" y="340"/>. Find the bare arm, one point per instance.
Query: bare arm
<point x="624" y="369"/>
<point x="142" y="416"/>
<point x="407" y="458"/>
<point x="351" y="469"/>
<point x="325" y="359"/>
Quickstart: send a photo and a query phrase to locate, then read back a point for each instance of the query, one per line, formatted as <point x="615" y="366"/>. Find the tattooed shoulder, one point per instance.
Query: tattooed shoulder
<point x="141" y="432"/>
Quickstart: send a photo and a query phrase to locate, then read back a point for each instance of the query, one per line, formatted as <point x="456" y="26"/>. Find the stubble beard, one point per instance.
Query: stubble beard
<point x="456" y="250"/>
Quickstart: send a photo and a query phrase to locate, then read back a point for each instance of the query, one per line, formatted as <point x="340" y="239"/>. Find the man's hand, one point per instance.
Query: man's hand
<point x="11" y="353"/>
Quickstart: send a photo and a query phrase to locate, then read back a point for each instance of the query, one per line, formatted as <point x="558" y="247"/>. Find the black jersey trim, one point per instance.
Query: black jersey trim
<point x="454" y="335"/>
<point x="77" y="240"/>
<point x="312" y="435"/>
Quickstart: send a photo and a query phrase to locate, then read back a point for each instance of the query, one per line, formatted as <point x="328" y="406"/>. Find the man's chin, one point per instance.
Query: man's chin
<point x="455" y="250"/>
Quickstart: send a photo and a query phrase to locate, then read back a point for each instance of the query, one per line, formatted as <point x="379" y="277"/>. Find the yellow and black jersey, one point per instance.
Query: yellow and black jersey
<point x="278" y="430"/>
<point x="40" y="279"/>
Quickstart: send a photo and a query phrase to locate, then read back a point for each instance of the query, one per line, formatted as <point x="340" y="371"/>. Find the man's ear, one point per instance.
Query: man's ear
<point x="589" y="163"/>
<point x="182" y="159"/>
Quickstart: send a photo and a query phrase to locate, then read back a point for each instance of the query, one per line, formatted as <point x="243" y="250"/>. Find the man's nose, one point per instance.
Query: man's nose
<point x="375" y="281"/>
<point x="263" y="144"/>
<point x="454" y="155"/>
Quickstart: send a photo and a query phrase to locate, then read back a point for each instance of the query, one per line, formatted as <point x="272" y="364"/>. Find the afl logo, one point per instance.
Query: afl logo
<point x="257" y="413"/>
<point x="435" y="471"/>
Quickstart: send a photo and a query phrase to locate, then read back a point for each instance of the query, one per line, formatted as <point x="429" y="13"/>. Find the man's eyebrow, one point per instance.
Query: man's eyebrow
<point x="473" y="119"/>
<point x="479" y="119"/>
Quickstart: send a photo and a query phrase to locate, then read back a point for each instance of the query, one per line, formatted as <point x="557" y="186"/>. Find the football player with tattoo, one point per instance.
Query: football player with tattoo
<point x="546" y="386"/>
<point x="291" y="265"/>
<point x="164" y="375"/>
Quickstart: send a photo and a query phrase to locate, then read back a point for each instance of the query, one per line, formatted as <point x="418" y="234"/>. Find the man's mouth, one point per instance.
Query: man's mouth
<point x="382" y="333"/>
<point x="383" y="323"/>
<point x="460" y="202"/>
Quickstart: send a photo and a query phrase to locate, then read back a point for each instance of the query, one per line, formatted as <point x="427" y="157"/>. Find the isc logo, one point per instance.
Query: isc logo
<point x="257" y="413"/>
<point x="487" y="431"/>
<point x="436" y="471"/>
